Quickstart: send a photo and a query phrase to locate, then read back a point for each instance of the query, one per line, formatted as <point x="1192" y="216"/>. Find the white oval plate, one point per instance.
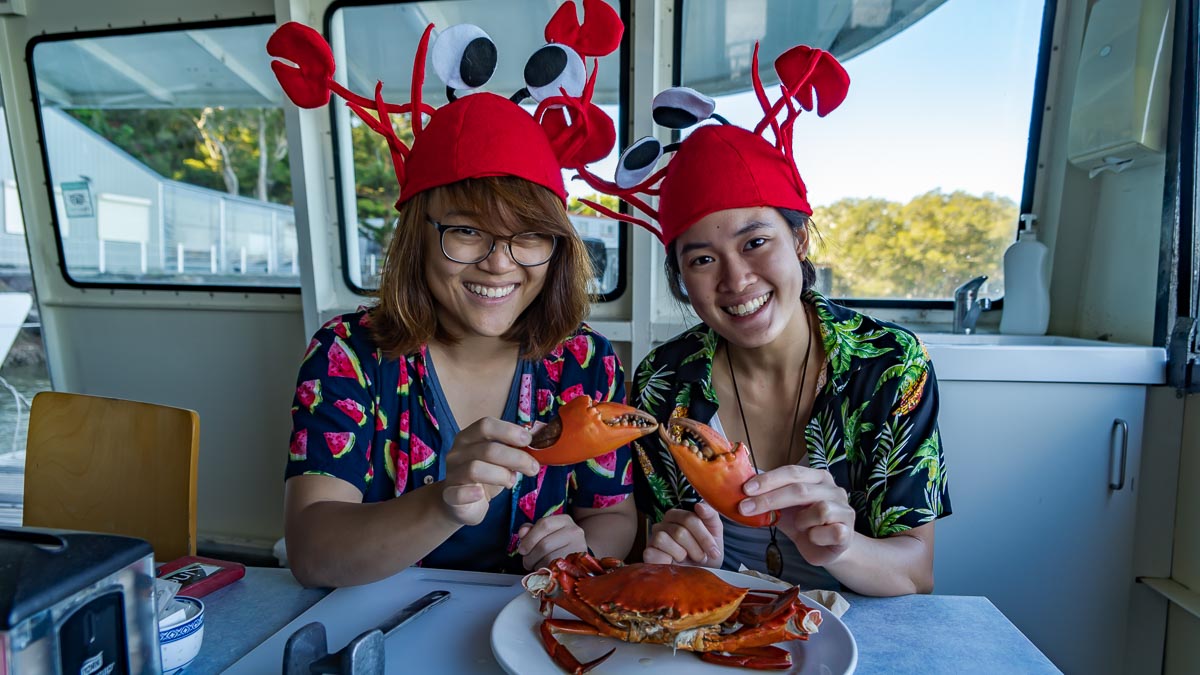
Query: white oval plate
<point x="518" y="645"/>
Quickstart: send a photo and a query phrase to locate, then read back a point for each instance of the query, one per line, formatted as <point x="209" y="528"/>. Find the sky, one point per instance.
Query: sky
<point x="943" y="104"/>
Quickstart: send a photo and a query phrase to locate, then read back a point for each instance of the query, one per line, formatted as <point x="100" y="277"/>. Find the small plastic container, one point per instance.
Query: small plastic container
<point x="180" y="639"/>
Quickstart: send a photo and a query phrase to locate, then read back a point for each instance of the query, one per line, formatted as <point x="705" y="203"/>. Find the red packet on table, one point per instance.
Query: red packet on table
<point x="200" y="576"/>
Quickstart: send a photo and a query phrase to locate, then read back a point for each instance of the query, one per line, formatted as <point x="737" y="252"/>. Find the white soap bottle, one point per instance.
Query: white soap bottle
<point x="1026" y="283"/>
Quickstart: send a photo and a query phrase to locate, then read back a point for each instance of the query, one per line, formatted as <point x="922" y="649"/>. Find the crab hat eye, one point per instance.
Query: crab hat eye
<point x="552" y="67"/>
<point x="464" y="57"/>
<point x="681" y="107"/>
<point x="638" y="161"/>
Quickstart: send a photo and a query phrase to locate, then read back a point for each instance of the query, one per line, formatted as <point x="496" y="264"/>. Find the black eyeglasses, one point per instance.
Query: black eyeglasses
<point x="469" y="245"/>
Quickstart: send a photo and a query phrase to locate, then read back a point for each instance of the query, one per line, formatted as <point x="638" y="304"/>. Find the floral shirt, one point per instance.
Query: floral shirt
<point x="367" y="419"/>
<point x="873" y="426"/>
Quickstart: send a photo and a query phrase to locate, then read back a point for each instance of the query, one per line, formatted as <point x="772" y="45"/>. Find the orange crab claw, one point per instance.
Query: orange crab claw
<point x="307" y="82"/>
<point x="715" y="468"/>
<point x="584" y="429"/>
<point x="803" y="70"/>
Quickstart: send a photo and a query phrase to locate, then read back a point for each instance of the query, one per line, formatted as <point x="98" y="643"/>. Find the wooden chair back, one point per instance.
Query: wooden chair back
<point x="116" y="466"/>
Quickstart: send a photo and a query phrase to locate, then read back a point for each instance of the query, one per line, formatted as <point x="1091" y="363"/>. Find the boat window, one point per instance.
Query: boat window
<point x="167" y="157"/>
<point x="916" y="179"/>
<point x="24" y="372"/>
<point x="376" y="43"/>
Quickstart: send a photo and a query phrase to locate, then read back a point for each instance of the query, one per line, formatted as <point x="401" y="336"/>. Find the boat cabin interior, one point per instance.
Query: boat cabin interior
<point x="1015" y="182"/>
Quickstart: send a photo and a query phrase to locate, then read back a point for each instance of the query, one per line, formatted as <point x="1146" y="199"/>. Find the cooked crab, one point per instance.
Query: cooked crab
<point x="714" y="467"/>
<point x="584" y="429"/>
<point x="686" y="607"/>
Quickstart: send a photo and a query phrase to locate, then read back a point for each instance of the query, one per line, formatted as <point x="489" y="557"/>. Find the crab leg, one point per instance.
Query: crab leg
<point x="559" y="589"/>
<point x="758" y="658"/>
<point x="787" y="618"/>
<point x="584" y="429"/>
<point x="787" y="602"/>
<point x="715" y="468"/>
<point x="563" y="656"/>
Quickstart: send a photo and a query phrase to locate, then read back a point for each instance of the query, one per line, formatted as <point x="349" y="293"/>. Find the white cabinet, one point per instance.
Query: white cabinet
<point x="1036" y="526"/>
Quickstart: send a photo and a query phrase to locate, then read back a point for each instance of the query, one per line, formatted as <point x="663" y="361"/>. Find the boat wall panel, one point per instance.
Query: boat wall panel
<point x="237" y="369"/>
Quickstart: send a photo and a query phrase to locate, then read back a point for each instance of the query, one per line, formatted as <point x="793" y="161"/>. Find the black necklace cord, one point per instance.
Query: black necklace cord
<point x="777" y="568"/>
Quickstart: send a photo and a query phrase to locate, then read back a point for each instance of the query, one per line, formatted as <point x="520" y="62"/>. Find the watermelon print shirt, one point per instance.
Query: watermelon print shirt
<point x="370" y="421"/>
<point x="873" y="426"/>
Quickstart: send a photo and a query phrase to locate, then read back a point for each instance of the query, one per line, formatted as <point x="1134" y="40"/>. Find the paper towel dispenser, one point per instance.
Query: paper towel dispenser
<point x="1119" y="114"/>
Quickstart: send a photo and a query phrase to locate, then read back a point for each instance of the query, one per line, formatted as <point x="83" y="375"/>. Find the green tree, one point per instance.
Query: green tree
<point x="375" y="187"/>
<point x="923" y="249"/>
<point x="577" y="207"/>
<point x="241" y="151"/>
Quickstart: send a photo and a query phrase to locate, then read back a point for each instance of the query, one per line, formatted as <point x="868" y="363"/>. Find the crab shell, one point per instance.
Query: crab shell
<point x="680" y="606"/>
<point x="716" y="469"/>
<point x="584" y="429"/>
<point x="676" y="597"/>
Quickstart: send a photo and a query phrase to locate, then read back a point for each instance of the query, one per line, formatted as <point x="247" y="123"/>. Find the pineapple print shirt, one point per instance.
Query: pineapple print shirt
<point x="370" y="421"/>
<point x="873" y="426"/>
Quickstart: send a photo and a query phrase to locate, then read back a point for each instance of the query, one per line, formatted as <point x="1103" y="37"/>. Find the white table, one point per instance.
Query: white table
<point x="248" y="622"/>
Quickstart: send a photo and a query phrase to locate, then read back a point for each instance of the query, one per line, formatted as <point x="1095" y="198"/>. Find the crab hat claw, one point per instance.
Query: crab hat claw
<point x="598" y="35"/>
<point x="584" y="429"/>
<point x="307" y="81"/>
<point x="804" y="70"/>
<point x="716" y="469"/>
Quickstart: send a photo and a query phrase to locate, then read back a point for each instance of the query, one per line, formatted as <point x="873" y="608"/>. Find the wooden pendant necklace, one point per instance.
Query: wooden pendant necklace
<point x="774" y="556"/>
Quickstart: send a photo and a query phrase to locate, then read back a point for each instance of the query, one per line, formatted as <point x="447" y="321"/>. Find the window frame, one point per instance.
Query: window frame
<point x="622" y="124"/>
<point x="1178" y="300"/>
<point x="1037" y="116"/>
<point x="30" y="46"/>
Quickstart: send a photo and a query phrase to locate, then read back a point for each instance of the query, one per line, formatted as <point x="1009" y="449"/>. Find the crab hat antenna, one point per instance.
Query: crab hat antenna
<point x="480" y="134"/>
<point x="753" y="170"/>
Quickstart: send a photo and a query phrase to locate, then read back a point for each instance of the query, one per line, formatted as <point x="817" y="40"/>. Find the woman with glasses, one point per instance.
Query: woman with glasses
<point x="410" y="416"/>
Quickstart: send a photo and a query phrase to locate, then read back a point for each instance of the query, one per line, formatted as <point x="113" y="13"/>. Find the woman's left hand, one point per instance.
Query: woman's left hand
<point x="813" y="511"/>
<point x="549" y="538"/>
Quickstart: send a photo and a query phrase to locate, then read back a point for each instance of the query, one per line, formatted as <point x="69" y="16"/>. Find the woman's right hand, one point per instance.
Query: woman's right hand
<point x="687" y="538"/>
<point x="484" y="460"/>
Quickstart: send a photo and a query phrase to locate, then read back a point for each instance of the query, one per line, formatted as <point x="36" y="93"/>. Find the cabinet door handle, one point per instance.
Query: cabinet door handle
<point x="1119" y="483"/>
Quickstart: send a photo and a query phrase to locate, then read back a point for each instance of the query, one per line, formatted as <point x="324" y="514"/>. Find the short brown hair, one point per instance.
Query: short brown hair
<point x="405" y="317"/>
<point x="798" y="221"/>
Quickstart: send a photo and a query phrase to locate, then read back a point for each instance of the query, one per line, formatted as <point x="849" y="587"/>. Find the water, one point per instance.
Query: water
<point x="27" y="380"/>
<point x="14" y="415"/>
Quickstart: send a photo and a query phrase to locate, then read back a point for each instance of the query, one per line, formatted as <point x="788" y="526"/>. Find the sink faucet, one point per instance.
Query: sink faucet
<point x="968" y="305"/>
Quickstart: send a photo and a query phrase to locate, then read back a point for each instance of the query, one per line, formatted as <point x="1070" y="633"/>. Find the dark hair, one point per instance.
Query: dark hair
<point x="405" y="317"/>
<point x="796" y="220"/>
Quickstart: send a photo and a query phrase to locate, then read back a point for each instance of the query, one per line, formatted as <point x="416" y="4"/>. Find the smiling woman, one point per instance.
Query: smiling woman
<point x="425" y="269"/>
<point x="411" y="418"/>
<point x="845" y="476"/>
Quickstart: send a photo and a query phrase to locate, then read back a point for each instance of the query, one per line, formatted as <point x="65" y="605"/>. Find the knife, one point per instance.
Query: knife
<point x="497" y="584"/>
<point x="411" y="611"/>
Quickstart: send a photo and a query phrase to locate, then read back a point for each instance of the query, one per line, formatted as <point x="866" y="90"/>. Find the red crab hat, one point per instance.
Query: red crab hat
<point x="722" y="166"/>
<point x="752" y="173"/>
<point x="481" y="135"/>
<point x="477" y="133"/>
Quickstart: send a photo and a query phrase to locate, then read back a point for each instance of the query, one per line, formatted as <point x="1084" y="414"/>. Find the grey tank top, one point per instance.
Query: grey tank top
<point x="748" y="546"/>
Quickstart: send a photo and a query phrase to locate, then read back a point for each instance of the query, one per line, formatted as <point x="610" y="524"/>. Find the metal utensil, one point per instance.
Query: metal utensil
<point x="411" y="611"/>
<point x="307" y="653"/>
<point x="464" y="582"/>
